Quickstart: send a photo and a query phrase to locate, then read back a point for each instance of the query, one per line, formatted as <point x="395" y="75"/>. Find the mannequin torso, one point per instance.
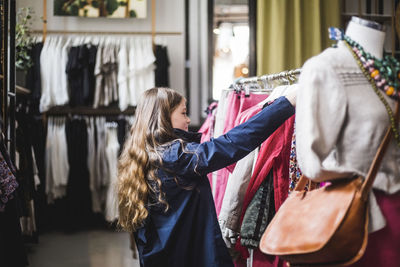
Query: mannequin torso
<point x="340" y="121"/>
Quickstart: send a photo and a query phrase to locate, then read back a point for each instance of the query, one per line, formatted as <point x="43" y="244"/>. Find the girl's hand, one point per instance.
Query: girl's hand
<point x="291" y="94"/>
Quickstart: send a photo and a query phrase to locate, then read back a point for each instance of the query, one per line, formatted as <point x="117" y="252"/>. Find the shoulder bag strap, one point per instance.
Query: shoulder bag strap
<point x="373" y="170"/>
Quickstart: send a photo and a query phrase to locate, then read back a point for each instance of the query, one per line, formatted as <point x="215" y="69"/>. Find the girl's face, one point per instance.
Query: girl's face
<point x="179" y="117"/>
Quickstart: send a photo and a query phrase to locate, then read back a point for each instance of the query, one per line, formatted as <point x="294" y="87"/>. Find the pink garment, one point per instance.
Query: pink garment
<point x="237" y="103"/>
<point x="207" y="129"/>
<point x="232" y="110"/>
<point x="242" y="117"/>
<point x="383" y="248"/>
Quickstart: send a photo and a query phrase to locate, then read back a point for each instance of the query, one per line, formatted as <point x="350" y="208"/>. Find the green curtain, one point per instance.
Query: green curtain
<point x="291" y="31"/>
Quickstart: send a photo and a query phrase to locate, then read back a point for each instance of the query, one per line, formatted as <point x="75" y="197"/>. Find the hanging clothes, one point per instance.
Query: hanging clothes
<point x="33" y="80"/>
<point x="57" y="164"/>
<point x="27" y="172"/>
<point x="274" y="155"/>
<point x="123" y="76"/>
<point x="12" y="251"/>
<point x="237" y="103"/>
<point x="162" y="64"/>
<point x="294" y="169"/>
<point x="141" y="67"/>
<point x="78" y="197"/>
<point x="102" y="170"/>
<point x="38" y="136"/>
<point x="231" y="208"/>
<point x="258" y="214"/>
<point x="8" y="182"/>
<point x="207" y="129"/>
<point x="106" y="72"/>
<point x="53" y="59"/>
<point x="112" y="150"/>
<point x="95" y="190"/>
<point x="80" y="71"/>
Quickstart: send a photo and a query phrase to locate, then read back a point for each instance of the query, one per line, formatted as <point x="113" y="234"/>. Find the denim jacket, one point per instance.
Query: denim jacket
<point x="188" y="233"/>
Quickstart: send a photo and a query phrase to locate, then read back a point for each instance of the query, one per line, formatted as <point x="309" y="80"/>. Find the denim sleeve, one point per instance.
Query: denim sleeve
<point x="200" y="159"/>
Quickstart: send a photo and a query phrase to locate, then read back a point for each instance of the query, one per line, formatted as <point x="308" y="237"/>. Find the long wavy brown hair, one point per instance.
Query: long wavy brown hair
<point x="139" y="159"/>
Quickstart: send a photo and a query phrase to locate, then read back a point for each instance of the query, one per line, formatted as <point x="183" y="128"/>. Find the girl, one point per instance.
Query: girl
<point x="164" y="195"/>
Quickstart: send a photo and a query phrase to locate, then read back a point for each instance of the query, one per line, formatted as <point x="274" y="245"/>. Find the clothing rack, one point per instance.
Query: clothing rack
<point x="263" y="83"/>
<point x="270" y="77"/>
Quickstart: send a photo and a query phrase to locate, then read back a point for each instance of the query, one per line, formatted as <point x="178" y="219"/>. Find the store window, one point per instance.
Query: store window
<point x="230" y="44"/>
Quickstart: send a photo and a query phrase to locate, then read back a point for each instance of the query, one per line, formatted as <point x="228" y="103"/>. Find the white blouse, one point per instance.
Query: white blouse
<point x="340" y="123"/>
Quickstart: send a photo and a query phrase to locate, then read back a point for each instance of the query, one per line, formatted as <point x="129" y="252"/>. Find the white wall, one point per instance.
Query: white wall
<point x="169" y="18"/>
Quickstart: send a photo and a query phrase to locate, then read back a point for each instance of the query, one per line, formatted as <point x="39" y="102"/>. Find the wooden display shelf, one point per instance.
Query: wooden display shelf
<point x="89" y="111"/>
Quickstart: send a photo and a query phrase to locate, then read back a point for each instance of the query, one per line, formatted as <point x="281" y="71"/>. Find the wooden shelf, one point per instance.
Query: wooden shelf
<point x="22" y="90"/>
<point x="19" y="89"/>
<point x="375" y="17"/>
<point x="388" y="19"/>
<point x="89" y="111"/>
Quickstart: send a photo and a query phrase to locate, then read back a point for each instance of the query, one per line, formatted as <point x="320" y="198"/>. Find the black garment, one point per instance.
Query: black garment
<point x="25" y="169"/>
<point x="162" y="64"/>
<point x="33" y="79"/>
<point x="259" y="213"/>
<point x="80" y="72"/>
<point x="89" y="75"/>
<point x="78" y="198"/>
<point x="37" y="134"/>
<point x="122" y="130"/>
<point x="12" y="251"/>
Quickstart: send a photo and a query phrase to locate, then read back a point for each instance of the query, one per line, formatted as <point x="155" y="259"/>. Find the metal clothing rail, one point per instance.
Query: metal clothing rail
<point x="106" y="33"/>
<point x="269" y="77"/>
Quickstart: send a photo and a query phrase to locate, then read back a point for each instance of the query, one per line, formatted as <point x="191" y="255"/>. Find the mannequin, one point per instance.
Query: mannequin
<point x="340" y="123"/>
<point x="369" y="34"/>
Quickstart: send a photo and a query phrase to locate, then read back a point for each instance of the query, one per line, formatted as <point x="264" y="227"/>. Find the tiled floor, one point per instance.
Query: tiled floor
<point x="99" y="248"/>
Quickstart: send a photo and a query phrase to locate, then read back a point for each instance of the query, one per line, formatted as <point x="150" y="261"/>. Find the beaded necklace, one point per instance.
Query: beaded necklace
<point x="385" y="73"/>
<point x="364" y="61"/>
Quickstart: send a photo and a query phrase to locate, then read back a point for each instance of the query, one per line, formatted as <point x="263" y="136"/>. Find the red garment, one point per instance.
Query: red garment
<point x="383" y="248"/>
<point x="275" y="154"/>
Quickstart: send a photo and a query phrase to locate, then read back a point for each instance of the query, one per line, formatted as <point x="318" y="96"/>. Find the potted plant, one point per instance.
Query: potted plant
<point x="23" y="44"/>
